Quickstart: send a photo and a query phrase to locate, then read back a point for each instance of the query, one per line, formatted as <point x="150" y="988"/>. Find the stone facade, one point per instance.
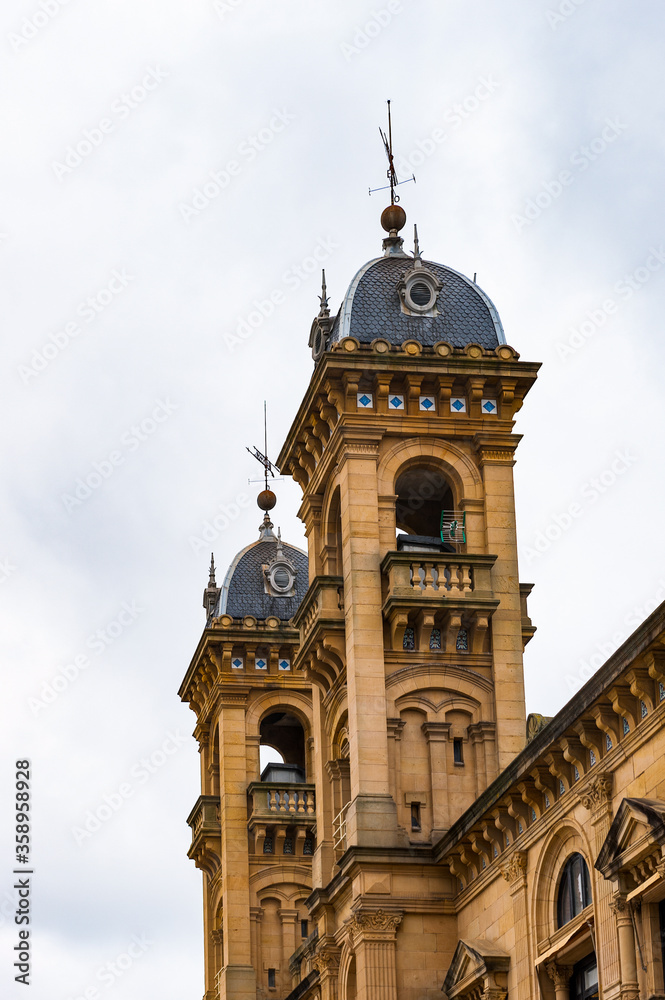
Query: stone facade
<point x="423" y="847"/>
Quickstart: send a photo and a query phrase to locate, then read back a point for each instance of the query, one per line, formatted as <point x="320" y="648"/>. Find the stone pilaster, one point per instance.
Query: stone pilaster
<point x="514" y="872"/>
<point x="437" y="735"/>
<point x="596" y="796"/>
<point x="326" y="962"/>
<point x="627" y="956"/>
<point x="560" y="976"/>
<point x="373" y="935"/>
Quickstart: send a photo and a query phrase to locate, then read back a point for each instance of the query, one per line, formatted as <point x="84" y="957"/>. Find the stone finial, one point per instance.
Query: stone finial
<point x="212" y="591"/>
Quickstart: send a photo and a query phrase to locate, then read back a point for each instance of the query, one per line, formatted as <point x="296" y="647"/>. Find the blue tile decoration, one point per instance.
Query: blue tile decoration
<point x="409" y="641"/>
<point x="489" y="406"/>
<point x="288" y="845"/>
<point x="520" y="827"/>
<point x="284" y="664"/>
<point x="644" y="710"/>
<point x="562" y="787"/>
<point x="261" y="664"/>
<point x="427" y="403"/>
<point x="608" y="742"/>
<point x="435" y="639"/>
<point x="458" y="404"/>
<point x="267" y="846"/>
<point x="364" y="400"/>
<point x="238" y="662"/>
<point x="547" y="801"/>
<point x="396" y="402"/>
<point x="592" y="758"/>
<point x="308" y="846"/>
<point x="533" y="814"/>
<point x="576" y="774"/>
<point x="626" y="727"/>
<point x="661" y="690"/>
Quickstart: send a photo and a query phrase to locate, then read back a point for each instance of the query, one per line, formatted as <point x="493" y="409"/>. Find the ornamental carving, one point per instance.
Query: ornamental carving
<point x="597" y="793"/>
<point x="379" y="920"/>
<point x="326" y="962"/>
<point x="559" y="974"/>
<point x="515" y="869"/>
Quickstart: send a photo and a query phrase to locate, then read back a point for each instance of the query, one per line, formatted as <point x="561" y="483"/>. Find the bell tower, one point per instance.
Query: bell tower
<point x="413" y="628"/>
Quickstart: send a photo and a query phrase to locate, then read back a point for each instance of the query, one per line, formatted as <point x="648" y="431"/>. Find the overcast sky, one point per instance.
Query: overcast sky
<point x="168" y="165"/>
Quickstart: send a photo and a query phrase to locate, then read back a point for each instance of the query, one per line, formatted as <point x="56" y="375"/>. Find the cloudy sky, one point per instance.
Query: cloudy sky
<point x="170" y="167"/>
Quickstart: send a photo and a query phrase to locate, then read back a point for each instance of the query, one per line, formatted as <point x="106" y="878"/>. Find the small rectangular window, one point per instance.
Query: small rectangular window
<point x="304" y="928"/>
<point x="458" y="755"/>
<point x="271" y="979"/>
<point x="415" y="816"/>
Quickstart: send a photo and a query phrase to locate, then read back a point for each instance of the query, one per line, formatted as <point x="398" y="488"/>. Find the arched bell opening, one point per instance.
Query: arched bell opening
<point x="283" y="735"/>
<point x="425" y="515"/>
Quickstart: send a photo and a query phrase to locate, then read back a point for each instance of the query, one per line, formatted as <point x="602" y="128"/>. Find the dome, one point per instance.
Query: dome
<point x="398" y="297"/>
<point x="268" y="577"/>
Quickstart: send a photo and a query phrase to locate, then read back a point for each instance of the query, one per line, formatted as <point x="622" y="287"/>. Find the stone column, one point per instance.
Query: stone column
<point x="514" y="873"/>
<point x="627" y="956"/>
<point x="289" y="919"/>
<point x="326" y="962"/>
<point x="596" y="796"/>
<point x="395" y="727"/>
<point x="256" y="914"/>
<point x="237" y="977"/>
<point x="560" y="976"/>
<point x="374" y="944"/>
<point x="496" y="459"/>
<point x="437" y="735"/>
<point x="372" y="816"/>
<point x="324" y="857"/>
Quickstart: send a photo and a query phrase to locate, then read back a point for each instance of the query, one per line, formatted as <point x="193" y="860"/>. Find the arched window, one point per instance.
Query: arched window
<point x="574" y="889"/>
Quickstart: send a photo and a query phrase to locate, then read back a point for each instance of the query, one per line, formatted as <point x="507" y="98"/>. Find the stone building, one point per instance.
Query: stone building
<point x="418" y="839"/>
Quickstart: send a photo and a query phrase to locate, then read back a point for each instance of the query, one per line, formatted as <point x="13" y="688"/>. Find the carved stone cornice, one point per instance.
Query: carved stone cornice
<point x="514" y="871"/>
<point x="375" y="924"/>
<point x="233" y="699"/>
<point x="596" y="794"/>
<point x="202" y="734"/>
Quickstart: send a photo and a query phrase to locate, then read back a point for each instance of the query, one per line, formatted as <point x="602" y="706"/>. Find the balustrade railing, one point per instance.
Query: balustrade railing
<point x="279" y="800"/>
<point x="408" y="574"/>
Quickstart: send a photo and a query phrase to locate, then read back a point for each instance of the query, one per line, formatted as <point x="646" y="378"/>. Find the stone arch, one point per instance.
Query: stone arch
<point x="265" y="702"/>
<point x="347" y="961"/>
<point x="267" y="881"/>
<point x="331" y="529"/>
<point x="455" y="464"/>
<point x="559" y="845"/>
<point x="457" y="683"/>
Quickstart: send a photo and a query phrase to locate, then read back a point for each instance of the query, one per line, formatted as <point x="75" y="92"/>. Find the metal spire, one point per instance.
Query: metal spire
<point x="324" y="311"/>
<point x="416" y="244"/>
<point x="212" y="582"/>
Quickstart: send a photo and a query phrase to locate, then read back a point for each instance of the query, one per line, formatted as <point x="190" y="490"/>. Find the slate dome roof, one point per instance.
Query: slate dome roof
<point x="244" y="590"/>
<point x="371" y="308"/>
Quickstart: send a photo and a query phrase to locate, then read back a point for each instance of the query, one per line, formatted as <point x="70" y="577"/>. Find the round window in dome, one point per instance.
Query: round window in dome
<point x="281" y="578"/>
<point x="420" y="293"/>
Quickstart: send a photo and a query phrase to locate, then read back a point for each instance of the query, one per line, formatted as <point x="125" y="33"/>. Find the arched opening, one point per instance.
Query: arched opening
<point x="333" y="540"/>
<point x="574" y="889"/>
<point x="423" y="494"/>
<point x="350" y="992"/>
<point x="283" y="748"/>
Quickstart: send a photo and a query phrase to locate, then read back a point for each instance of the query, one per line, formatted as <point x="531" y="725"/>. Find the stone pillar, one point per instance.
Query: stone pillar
<point x="326" y="962"/>
<point x="560" y="976"/>
<point x="255" y="914"/>
<point x="289" y="919"/>
<point x="374" y="944"/>
<point x="514" y="873"/>
<point x="237" y="978"/>
<point x="324" y="856"/>
<point x="372" y="816"/>
<point x="395" y="727"/>
<point x="627" y="956"/>
<point x="437" y="735"/>
<point x="596" y="796"/>
<point x="496" y="459"/>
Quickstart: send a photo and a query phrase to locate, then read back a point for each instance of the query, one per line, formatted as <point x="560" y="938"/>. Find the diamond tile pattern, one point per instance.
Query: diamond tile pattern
<point x="464" y="316"/>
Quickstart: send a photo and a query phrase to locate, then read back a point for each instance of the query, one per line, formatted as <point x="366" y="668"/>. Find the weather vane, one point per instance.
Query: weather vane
<point x="391" y="173"/>
<point x="262" y="456"/>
